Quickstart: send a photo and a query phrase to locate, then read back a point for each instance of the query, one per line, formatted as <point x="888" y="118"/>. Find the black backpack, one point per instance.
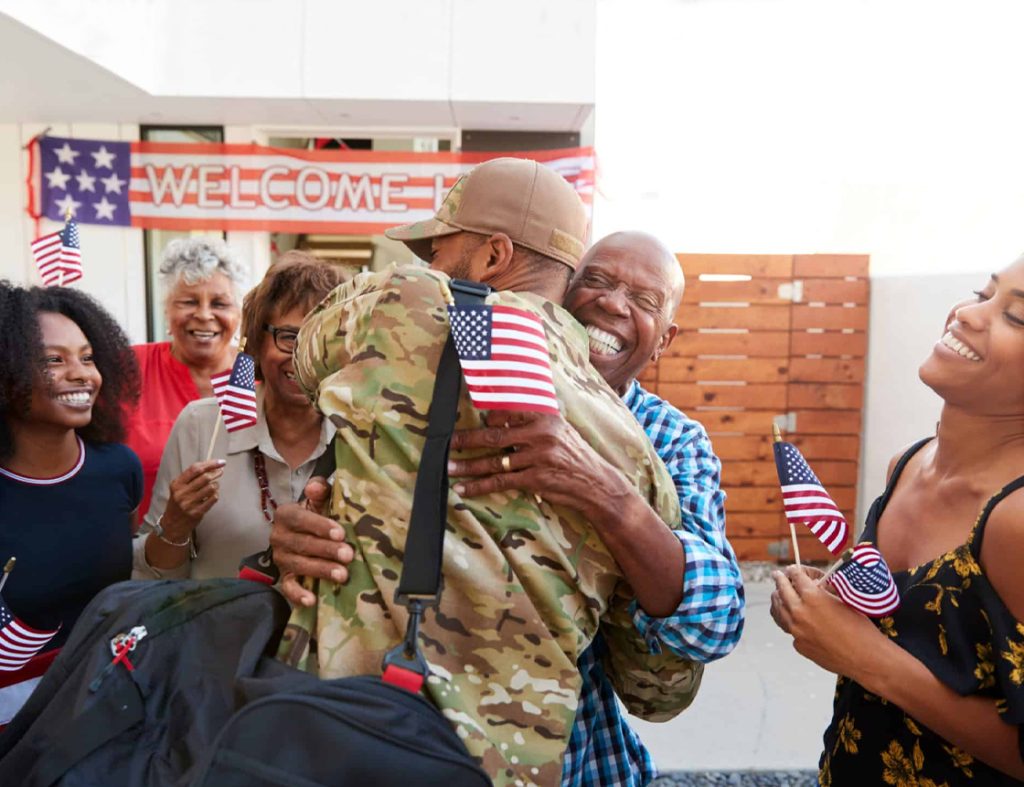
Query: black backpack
<point x="173" y="683"/>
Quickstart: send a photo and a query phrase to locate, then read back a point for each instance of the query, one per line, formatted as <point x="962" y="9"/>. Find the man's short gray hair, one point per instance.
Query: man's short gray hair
<point x="199" y="259"/>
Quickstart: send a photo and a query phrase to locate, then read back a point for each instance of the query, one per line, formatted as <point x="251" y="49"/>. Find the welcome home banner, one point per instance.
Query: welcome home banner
<point x="181" y="186"/>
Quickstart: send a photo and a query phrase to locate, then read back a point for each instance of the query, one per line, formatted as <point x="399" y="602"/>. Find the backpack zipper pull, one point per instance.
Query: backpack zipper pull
<point x="121" y="645"/>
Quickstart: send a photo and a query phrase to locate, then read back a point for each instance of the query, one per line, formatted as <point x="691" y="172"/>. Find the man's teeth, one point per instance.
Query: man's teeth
<point x="78" y="398"/>
<point x="204" y="334"/>
<point x="958" y="346"/>
<point x="603" y="342"/>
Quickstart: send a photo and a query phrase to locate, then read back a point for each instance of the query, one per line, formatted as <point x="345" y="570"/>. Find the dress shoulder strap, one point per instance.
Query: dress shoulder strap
<point x="979" y="530"/>
<point x="900" y="465"/>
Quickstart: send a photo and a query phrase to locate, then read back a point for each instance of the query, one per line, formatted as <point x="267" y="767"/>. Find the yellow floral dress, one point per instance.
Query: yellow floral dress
<point x="952" y="619"/>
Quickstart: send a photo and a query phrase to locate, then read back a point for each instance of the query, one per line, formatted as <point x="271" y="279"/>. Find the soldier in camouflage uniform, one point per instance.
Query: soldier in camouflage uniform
<point x="526" y="583"/>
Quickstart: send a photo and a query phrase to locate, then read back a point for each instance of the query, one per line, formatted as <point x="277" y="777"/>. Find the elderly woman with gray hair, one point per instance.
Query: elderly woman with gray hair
<point x="202" y="283"/>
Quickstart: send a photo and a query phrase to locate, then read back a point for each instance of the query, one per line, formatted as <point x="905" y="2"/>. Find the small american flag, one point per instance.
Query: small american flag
<point x="235" y="390"/>
<point x="18" y="642"/>
<point x="58" y="255"/>
<point x="866" y="584"/>
<point x="806" y="500"/>
<point x="504" y="356"/>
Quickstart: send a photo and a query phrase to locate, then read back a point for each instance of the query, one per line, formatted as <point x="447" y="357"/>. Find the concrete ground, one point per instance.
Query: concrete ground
<point x="762" y="708"/>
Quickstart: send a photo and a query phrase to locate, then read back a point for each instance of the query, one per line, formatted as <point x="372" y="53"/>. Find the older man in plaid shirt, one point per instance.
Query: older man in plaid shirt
<point x="690" y="601"/>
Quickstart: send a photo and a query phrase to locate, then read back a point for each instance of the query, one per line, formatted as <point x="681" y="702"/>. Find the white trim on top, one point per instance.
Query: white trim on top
<point x="25" y="479"/>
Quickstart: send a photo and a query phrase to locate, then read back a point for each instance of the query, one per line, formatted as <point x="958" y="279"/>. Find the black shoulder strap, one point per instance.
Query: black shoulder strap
<point x="900" y="465"/>
<point x="993" y="501"/>
<point x="421" y="566"/>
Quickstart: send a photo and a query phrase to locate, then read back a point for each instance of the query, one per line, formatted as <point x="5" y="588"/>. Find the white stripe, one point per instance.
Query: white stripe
<point x="507" y="366"/>
<point x="50" y="481"/>
<point x="520" y="382"/>
<point x="802" y="488"/>
<point x="525" y="352"/>
<point x="522" y="336"/>
<point x="808" y="513"/>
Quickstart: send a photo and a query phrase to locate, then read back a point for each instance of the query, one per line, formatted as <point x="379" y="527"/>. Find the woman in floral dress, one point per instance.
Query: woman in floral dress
<point x="934" y="693"/>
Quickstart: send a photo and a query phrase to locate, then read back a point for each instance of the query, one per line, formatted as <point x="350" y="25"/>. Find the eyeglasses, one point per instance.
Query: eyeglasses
<point x="284" y="338"/>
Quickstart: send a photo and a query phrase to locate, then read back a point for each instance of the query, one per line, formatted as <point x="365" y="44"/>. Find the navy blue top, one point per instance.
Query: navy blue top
<point x="72" y="535"/>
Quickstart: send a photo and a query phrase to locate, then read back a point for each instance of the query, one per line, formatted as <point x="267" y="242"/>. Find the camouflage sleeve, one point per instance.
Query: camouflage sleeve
<point x="653" y="686"/>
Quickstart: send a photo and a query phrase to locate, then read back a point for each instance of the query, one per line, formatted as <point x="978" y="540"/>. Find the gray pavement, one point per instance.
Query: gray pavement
<point x="762" y="708"/>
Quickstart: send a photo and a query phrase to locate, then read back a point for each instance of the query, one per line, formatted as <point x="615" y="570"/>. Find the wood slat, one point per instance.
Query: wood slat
<point x="818" y="396"/>
<point x="673" y="369"/>
<point x="821" y="422"/>
<point x="825" y="370"/>
<point x="757" y="291"/>
<point x="831" y="474"/>
<point x="690" y="396"/>
<point x="760" y="265"/>
<point x="835" y="291"/>
<point x="759" y="447"/>
<point x="755" y="344"/>
<point x="759" y="422"/>
<point x="779" y="550"/>
<point x="830" y="265"/>
<point x="747" y="524"/>
<point x="855" y="317"/>
<point x="768" y="499"/>
<point x="761" y="318"/>
<point x="831" y="343"/>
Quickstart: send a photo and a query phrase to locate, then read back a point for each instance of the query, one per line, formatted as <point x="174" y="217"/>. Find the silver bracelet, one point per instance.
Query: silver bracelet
<point x="158" y="529"/>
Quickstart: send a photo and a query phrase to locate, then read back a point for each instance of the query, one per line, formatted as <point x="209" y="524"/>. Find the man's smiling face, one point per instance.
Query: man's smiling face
<point x="625" y="294"/>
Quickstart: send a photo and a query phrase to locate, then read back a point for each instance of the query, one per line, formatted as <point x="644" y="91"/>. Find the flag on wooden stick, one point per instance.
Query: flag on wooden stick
<point x="806" y="501"/>
<point x="59" y="256"/>
<point x="235" y="389"/>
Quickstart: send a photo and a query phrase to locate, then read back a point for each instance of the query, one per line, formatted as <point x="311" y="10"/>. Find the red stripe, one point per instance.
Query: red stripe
<point x="35" y="667"/>
<point x="280" y="225"/>
<point x="540" y="377"/>
<point x="499" y="356"/>
<point x="510" y="389"/>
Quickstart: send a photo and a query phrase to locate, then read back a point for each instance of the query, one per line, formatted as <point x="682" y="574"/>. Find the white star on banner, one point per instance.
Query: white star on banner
<point x="86" y="182"/>
<point x="58" y="179"/>
<point x="104" y="158"/>
<point x="68" y="204"/>
<point x="113" y="184"/>
<point x="104" y="209"/>
<point x="65" y="155"/>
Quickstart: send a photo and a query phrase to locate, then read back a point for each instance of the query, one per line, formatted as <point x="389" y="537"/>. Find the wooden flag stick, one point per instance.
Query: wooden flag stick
<point x="7" y="571"/>
<point x="847" y="554"/>
<point x="220" y="415"/>
<point x="777" y="434"/>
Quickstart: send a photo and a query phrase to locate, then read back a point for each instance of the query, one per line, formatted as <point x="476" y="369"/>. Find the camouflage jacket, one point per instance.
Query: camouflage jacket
<point x="526" y="584"/>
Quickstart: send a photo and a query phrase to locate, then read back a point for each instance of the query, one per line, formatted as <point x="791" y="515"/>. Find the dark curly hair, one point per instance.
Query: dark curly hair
<point x="21" y="352"/>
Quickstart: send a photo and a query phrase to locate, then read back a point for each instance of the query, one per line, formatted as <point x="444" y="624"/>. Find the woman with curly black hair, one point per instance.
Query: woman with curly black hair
<point x="68" y="489"/>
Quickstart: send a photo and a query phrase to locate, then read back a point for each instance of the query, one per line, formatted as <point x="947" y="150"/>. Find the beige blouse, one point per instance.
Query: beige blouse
<point x="235" y="527"/>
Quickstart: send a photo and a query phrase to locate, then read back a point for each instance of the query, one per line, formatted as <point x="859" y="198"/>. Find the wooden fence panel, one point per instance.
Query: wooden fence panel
<point x="766" y="339"/>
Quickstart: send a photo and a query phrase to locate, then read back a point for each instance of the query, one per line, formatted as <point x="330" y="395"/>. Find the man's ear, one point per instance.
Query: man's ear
<point x="665" y="341"/>
<point x="498" y="251"/>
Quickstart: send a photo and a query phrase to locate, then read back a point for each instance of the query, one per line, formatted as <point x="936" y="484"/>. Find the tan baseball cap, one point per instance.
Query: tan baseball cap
<point x="532" y="204"/>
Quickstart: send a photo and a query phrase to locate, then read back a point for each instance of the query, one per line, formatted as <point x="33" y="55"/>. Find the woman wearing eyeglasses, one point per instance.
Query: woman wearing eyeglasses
<point x="206" y="516"/>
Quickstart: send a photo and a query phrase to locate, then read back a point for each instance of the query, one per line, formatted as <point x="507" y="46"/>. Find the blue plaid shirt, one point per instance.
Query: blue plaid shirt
<point x="603" y="748"/>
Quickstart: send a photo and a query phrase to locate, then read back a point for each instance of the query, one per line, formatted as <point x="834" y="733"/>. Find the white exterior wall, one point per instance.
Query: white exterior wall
<point x="885" y="127"/>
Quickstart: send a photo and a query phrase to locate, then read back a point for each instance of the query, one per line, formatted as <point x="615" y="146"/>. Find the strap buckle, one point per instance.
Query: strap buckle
<point x="472" y="288"/>
<point x="404" y="665"/>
